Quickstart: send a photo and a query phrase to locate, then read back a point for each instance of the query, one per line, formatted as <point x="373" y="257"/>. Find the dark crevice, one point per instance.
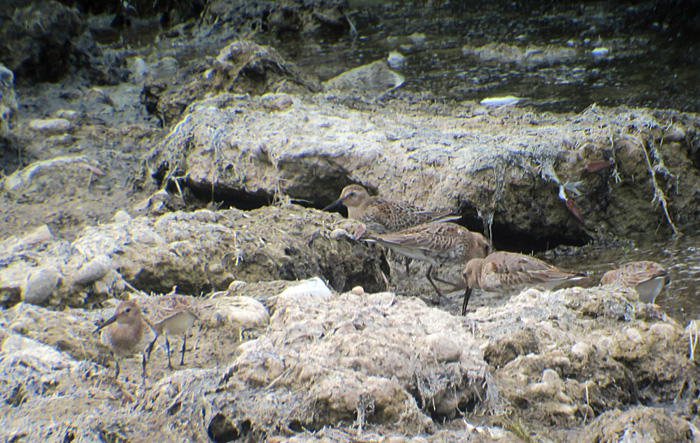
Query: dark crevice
<point x="505" y="237"/>
<point x="222" y="430"/>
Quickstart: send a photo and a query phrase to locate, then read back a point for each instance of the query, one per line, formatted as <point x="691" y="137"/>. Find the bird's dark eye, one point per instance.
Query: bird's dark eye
<point x="127" y="310"/>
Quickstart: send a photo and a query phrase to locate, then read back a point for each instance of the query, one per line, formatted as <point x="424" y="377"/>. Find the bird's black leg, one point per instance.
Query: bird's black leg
<point x="118" y="368"/>
<point x="430" y="279"/>
<point x="184" y="343"/>
<point x="465" y="302"/>
<point x="167" y="346"/>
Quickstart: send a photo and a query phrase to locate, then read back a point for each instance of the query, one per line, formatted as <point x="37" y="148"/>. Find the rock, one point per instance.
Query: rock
<point x="277" y="102"/>
<point x="53" y="171"/>
<point x="67" y="114"/>
<point x="41" y="284"/>
<point x="418" y="39"/>
<point x="266" y="152"/>
<point x="52" y="125"/>
<point x="243" y="313"/>
<point x="600" y="52"/>
<point x="139" y="70"/>
<point x="37" y="43"/>
<point x="508" y="100"/>
<point x="338" y="348"/>
<point x="396" y="60"/>
<point x="8" y="101"/>
<point x="121" y="216"/>
<point x="93" y="270"/>
<point x="640" y="423"/>
<point x="368" y="80"/>
<point x="223" y="246"/>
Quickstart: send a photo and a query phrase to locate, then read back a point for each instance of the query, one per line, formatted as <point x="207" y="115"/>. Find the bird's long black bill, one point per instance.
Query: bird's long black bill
<point x="333" y="205"/>
<point x="107" y="322"/>
<point x="465" y="302"/>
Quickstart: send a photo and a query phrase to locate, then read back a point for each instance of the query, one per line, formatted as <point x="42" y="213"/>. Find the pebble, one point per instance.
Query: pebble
<point x="633" y="335"/>
<point x="41" y="284"/>
<point x="121" y="216"/>
<point x="418" y="39"/>
<point x="358" y="290"/>
<point x="600" y="52"/>
<point x="93" y="270"/>
<point x="50" y="125"/>
<point x="66" y="113"/>
<point x="581" y="350"/>
<point x="674" y="134"/>
<point x="276" y="102"/>
<point x="396" y="60"/>
<point x="508" y="100"/>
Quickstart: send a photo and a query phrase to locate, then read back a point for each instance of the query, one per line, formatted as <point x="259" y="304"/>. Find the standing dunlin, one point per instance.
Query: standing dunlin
<point x="648" y="278"/>
<point x="435" y="242"/>
<point x="123" y="332"/>
<point x="383" y="216"/>
<point x="172" y="315"/>
<point x="509" y="273"/>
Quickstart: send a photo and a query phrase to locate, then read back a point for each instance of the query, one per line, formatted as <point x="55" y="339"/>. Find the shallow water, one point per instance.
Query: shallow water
<point x="681" y="298"/>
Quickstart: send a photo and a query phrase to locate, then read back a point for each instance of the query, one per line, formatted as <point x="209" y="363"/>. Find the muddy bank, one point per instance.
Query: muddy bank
<point x="362" y="367"/>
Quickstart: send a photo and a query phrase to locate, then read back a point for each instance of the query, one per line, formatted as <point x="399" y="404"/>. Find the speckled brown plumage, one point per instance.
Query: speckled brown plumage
<point x="509" y="273"/>
<point x="436" y="242"/>
<point x="383" y="216"/>
<point x="646" y="277"/>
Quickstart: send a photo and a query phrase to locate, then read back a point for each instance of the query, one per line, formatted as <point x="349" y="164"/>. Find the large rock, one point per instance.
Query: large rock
<point x="197" y="252"/>
<point x="573" y="364"/>
<point x="555" y="178"/>
<point x="37" y="43"/>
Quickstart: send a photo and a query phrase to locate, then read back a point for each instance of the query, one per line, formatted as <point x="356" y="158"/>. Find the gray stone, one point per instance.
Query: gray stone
<point x="41" y="284"/>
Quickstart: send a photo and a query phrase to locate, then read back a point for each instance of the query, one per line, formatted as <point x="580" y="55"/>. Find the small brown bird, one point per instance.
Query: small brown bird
<point x="123" y="332"/>
<point x="648" y="278"/>
<point x="435" y="242"/>
<point x="509" y="273"/>
<point x="382" y="216"/>
<point x="172" y="315"/>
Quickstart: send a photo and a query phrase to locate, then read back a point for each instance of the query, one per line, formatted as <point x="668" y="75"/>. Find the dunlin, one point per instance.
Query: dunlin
<point x="509" y="273"/>
<point x="123" y="332"/>
<point x="383" y="216"/>
<point x="435" y="242"/>
<point x="648" y="278"/>
<point x="172" y="315"/>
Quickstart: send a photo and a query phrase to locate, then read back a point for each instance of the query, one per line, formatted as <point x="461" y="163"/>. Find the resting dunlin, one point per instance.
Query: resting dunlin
<point x="123" y="332"/>
<point x="382" y="216"/>
<point x="172" y="315"/>
<point x="435" y="242"/>
<point x="648" y="278"/>
<point x="509" y="273"/>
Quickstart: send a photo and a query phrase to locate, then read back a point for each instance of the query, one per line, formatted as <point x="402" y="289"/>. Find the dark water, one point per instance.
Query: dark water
<point x="543" y="54"/>
<point x="546" y="54"/>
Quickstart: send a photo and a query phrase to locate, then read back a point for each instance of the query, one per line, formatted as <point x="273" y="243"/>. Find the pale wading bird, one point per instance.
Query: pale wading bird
<point x="509" y="273"/>
<point x="171" y="315"/>
<point x="648" y="278"/>
<point x="436" y="242"/>
<point x="123" y="332"/>
<point x="383" y="216"/>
